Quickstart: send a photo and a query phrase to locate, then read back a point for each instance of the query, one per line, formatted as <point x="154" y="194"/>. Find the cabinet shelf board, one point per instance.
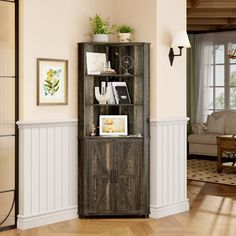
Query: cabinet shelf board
<point x="114" y="105"/>
<point x="112" y="75"/>
<point x="112" y="137"/>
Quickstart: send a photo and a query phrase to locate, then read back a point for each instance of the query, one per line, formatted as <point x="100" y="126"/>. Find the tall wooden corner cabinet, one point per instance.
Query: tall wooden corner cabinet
<point x="114" y="170"/>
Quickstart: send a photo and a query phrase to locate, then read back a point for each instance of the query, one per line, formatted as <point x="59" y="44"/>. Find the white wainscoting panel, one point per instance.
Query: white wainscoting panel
<point x="48" y="172"/>
<point x="168" y="167"/>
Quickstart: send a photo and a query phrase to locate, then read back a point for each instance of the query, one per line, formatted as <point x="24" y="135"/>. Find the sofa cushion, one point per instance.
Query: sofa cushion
<point x="230" y="123"/>
<point x="203" y="138"/>
<point x="215" y="124"/>
<point x="218" y="114"/>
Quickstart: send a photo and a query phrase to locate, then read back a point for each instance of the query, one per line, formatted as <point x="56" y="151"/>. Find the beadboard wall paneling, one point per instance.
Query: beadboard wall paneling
<point x="48" y="172"/>
<point x="168" y="167"/>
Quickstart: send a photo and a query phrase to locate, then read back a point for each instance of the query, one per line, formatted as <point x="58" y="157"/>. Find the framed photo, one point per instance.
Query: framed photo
<point x="52" y="81"/>
<point x="113" y="125"/>
<point x="95" y="63"/>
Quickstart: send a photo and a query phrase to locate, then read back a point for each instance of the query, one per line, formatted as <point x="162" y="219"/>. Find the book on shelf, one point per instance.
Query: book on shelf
<point x="121" y="93"/>
<point x="111" y="100"/>
<point x="103" y="87"/>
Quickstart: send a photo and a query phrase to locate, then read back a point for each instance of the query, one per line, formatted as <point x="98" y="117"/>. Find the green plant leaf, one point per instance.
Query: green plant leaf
<point x="125" y="29"/>
<point x="49" y="82"/>
<point x="100" y="25"/>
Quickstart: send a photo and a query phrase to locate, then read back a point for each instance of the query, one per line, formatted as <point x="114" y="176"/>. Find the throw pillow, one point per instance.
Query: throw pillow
<point x="215" y="125"/>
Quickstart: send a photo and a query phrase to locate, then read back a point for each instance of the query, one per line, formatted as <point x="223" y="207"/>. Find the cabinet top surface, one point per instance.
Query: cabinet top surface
<point x="228" y="137"/>
<point x="114" y="43"/>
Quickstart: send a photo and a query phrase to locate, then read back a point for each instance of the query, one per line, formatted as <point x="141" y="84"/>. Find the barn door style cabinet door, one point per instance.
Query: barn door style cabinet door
<point x="114" y="170"/>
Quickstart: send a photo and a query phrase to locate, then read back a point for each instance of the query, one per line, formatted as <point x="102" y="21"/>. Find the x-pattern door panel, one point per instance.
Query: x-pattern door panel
<point x="114" y="176"/>
<point x="99" y="177"/>
<point x="127" y="186"/>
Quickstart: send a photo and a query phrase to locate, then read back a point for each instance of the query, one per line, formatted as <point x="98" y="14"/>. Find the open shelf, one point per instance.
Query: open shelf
<point x="108" y="137"/>
<point x="114" y="105"/>
<point x="112" y="75"/>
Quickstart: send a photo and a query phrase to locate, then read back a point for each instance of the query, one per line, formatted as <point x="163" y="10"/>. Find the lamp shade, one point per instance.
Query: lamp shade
<point x="180" y="39"/>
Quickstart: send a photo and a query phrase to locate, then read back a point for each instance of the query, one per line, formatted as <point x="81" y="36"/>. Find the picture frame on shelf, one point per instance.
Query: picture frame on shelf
<point x="52" y="82"/>
<point x="113" y="125"/>
<point x="95" y="63"/>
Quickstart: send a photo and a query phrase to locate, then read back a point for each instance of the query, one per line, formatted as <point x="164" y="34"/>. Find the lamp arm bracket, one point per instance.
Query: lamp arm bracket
<point x="172" y="55"/>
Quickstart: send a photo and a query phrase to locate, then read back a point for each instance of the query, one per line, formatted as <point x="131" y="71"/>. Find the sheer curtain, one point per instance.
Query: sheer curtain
<point x="203" y="73"/>
<point x="191" y="85"/>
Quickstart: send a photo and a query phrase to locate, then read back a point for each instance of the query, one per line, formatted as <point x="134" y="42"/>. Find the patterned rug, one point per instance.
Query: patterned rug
<point x="205" y="170"/>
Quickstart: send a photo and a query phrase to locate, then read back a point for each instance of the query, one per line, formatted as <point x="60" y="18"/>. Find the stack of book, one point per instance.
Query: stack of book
<point x="120" y="93"/>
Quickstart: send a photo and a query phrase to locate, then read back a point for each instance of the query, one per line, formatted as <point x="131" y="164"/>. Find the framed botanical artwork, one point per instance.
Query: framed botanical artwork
<point x="52" y="81"/>
<point x="113" y="125"/>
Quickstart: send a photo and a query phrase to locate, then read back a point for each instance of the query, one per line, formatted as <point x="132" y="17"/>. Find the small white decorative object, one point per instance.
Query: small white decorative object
<point x="107" y="68"/>
<point x="93" y="132"/>
<point x="102" y="99"/>
<point x="112" y="96"/>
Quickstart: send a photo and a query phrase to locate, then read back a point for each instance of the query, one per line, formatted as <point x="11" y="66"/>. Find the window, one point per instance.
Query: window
<point x="232" y="83"/>
<point x="222" y="87"/>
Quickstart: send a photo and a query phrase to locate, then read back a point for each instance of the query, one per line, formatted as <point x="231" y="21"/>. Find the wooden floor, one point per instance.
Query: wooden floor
<point x="213" y="213"/>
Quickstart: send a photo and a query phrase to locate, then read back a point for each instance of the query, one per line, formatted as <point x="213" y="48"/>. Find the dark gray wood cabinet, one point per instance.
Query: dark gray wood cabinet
<point x="114" y="171"/>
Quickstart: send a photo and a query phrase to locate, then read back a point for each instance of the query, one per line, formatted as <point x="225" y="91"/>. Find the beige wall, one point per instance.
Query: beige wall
<point x="142" y="15"/>
<point x="51" y="29"/>
<point x="155" y="21"/>
<point x="170" y="88"/>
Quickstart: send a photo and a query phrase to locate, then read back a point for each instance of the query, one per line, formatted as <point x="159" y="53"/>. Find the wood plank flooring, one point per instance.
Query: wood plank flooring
<point x="213" y="213"/>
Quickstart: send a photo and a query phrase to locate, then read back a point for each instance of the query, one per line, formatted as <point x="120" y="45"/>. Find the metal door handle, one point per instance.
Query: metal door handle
<point x="116" y="176"/>
<point x="112" y="176"/>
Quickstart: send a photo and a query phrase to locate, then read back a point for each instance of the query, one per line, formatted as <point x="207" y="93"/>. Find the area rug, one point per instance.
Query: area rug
<point x="205" y="170"/>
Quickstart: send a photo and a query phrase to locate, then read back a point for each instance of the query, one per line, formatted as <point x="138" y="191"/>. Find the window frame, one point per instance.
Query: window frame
<point x="227" y="87"/>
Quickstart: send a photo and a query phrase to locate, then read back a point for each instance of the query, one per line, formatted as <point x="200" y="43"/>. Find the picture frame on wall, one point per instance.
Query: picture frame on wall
<point x="52" y="82"/>
<point x="113" y="125"/>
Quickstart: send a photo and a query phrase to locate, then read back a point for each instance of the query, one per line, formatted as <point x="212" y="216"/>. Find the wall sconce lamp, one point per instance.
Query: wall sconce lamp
<point x="181" y="41"/>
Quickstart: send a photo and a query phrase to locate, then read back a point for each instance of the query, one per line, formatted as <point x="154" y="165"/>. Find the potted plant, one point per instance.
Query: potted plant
<point x="100" y="28"/>
<point x="125" y="32"/>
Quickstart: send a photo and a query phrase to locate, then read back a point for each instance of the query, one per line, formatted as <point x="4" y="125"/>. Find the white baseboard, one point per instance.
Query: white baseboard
<point x="159" y="212"/>
<point x="28" y="222"/>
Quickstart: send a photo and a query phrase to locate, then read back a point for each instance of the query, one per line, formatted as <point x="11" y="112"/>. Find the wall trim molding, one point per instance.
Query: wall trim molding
<point x="169" y="119"/>
<point x="48" y="123"/>
<point x="168" y="158"/>
<point x="159" y="212"/>
<point x="48" y="172"/>
<point x="27" y="222"/>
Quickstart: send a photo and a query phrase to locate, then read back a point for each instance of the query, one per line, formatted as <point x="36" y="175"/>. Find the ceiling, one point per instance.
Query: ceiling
<point x="211" y="15"/>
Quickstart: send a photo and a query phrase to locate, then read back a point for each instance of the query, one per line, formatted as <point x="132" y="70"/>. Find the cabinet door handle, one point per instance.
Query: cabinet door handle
<point x="111" y="176"/>
<point x="116" y="179"/>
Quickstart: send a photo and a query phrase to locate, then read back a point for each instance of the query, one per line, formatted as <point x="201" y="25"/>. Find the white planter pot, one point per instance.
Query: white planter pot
<point x="124" y="37"/>
<point x="100" y="38"/>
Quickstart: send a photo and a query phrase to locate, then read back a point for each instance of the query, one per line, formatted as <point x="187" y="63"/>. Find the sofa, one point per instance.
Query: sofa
<point x="203" y="139"/>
